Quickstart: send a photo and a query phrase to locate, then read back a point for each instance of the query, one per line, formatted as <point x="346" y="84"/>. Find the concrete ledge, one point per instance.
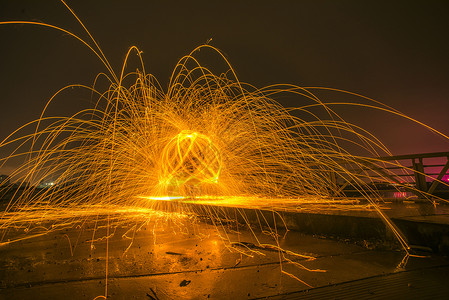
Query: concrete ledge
<point x="423" y="233"/>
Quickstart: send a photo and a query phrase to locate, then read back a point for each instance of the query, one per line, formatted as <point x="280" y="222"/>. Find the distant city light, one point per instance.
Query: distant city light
<point x="46" y="184"/>
<point x="400" y="194"/>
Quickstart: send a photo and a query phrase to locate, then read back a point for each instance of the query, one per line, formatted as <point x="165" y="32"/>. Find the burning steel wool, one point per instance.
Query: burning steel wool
<point x="205" y="142"/>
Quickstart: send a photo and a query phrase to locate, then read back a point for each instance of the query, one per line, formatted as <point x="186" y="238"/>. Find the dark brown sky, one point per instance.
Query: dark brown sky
<point x="394" y="52"/>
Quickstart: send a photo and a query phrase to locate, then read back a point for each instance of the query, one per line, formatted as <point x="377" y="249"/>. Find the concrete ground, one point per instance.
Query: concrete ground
<point x="162" y="259"/>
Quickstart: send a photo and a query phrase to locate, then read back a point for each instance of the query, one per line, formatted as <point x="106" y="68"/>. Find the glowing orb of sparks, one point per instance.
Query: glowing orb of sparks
<point x="190" y="159"/>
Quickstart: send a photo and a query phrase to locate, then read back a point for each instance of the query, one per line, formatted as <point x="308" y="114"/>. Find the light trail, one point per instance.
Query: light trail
<point x="207" y="139"/>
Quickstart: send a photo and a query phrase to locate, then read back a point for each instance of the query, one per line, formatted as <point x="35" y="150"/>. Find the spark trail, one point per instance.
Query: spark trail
<point x="207" y="139"/>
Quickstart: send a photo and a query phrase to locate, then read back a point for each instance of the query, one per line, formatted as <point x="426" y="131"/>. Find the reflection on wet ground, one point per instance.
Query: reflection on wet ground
<point x="157" y="260"/>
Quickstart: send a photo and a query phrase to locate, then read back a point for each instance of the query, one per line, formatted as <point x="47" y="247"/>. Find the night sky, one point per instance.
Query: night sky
<point x="393" y="51"/>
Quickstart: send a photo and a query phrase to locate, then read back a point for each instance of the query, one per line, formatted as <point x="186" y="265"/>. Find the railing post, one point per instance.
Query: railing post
<point x="420" y="178"/>
<point x="333" y="182"/>
<point x="440" y="176"/>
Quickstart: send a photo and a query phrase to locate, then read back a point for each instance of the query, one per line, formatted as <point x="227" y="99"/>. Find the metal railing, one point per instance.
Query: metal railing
<point x="424" y="175"/>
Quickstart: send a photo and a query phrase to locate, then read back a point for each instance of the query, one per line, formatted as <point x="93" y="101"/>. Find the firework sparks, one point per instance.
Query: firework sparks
<point x="207" y="139"/>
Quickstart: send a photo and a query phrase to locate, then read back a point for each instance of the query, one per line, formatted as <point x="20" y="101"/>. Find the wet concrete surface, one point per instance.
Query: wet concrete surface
<point x="163" y="260"/>
<point x="416" y="284"/>
<point x="424" y="225"/>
